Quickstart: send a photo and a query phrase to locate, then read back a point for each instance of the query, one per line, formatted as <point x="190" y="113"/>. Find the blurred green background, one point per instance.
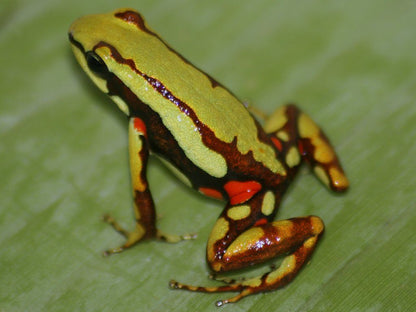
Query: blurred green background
<point x="63" y="146"/>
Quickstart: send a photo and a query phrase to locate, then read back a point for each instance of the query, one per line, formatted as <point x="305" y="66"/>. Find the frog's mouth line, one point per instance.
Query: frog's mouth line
<point x="76" y="43"/>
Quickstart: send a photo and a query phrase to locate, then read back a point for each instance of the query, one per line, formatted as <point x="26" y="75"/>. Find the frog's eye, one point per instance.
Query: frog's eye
<point x="96" y="64"/>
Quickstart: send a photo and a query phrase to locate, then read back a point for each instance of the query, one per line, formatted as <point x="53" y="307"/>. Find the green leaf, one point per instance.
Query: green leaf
<point x="349" y="64"/>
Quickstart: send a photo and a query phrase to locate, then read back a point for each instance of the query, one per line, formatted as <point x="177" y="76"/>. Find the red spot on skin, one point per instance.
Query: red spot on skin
<point x="260" y="222"/>
<point x="277" y="143"/>
<point x="139" y="125"/>
<point x="301" y="149"/>
<point x="240" y="192"/>
<point x="211" y="193"/>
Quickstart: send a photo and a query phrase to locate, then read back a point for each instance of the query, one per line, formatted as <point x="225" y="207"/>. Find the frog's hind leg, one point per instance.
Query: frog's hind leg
<point x="245" y="235"/>
<point x="298" y="137"/>
<point x="298" y="234"/>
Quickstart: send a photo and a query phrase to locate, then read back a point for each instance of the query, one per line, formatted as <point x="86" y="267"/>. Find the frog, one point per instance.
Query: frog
<point x="215" y="144"/>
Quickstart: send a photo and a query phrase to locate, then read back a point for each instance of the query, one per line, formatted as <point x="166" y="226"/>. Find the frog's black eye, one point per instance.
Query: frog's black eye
<point x="96" y="64"/>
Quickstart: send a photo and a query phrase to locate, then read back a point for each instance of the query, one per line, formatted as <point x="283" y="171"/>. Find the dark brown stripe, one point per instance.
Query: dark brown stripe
<point x="156" y="84"/>
<point x="135" y="18"/>
<point x="76" y="43"/>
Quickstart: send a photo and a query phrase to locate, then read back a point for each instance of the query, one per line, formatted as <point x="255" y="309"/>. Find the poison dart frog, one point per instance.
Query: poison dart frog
<point x="213" y="143"/>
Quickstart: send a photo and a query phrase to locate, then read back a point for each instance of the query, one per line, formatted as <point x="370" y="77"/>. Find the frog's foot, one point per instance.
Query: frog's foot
<point x="132" y="237"/>
<point x="138" y="234"/>
<point x="172" y="238"/>
<point x="238" y="286"/>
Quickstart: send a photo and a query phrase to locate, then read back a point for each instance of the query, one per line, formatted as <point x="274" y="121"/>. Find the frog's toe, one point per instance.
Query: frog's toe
<point x="172" y="238"/>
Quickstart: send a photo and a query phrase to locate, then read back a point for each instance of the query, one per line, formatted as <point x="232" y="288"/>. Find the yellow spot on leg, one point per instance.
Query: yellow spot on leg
<point x="283" y="135"/>
<point x="288" y="264"/>
<point x="339" y="180"/>
<point x="292" y="157"/>
<point x="321" y="174"/>
<point x="218" y="232"/>
<point x="239" y="212"/>
<point x="276" y="121"/>
<point x="324" y="153"/>
<point x="245" y="241"/>
<point x="285" y="228"/>
<point x="317" y="225"/>
<point x="310" y="242"/>
<point x="309" y="129"/>
<point x="267" y="206"/>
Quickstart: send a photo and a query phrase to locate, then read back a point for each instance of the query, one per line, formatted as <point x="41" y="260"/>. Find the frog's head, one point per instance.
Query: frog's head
<point x="112" y="45"/>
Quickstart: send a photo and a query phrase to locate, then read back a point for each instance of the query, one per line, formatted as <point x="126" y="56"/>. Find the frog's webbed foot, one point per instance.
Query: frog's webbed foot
<point x="138" y="234"/>
<point x="238" y="286"/>
<point x="132" y="237"/>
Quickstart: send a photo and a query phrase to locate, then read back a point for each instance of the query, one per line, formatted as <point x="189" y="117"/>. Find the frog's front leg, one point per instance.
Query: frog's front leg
<point x="144" y="208"/>
<point x="245" y="235"/>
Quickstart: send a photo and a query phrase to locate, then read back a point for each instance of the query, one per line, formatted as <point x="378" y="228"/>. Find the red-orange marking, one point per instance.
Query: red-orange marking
<point x="139" y="125"/>
<point x="277" y="143"/>
<point x="260" y="222"/>
<point x="240" y="192"/>
<point x="211" y="192"/>
<point x="301" y="149"/>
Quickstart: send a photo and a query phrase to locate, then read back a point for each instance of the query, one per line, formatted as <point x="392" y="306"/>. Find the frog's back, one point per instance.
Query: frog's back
<point x="204" y="118"/>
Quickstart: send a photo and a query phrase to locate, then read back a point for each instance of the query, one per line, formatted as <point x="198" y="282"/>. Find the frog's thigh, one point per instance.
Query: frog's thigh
<point x="244" y="234"/>
<point x="297" y="236"/>
<point x="263" y="242"/>
<point x="291" y="232"/>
